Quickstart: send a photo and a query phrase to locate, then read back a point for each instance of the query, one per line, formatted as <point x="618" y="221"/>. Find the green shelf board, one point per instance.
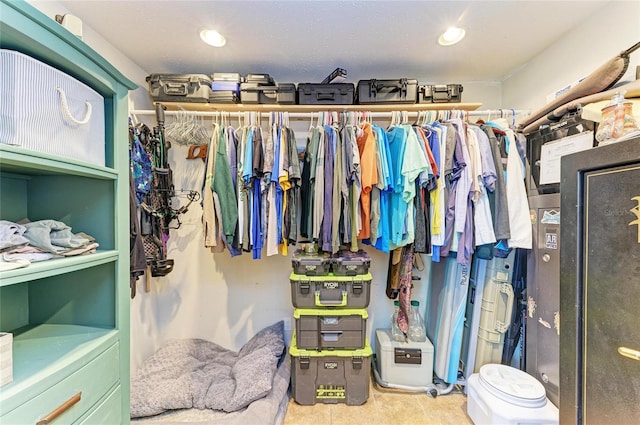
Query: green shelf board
<point x="55" y="267"/>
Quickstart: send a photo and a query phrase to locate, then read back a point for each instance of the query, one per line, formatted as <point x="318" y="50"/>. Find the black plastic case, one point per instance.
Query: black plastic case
<point x="179" y="87"/>
<point x="325" y="94"/>
<point x="402" y="90"/>
<point x="284" y="94"/>
<point x="440" y="93"/>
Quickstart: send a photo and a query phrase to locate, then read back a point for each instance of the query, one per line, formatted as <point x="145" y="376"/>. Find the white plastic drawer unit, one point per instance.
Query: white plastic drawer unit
<point x="46" y="110"/>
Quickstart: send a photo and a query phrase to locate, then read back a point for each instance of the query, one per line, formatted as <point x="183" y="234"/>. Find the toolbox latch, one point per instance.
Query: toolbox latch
<point x="304" y="362"/>
<point x="356" y="362"/>
<point x="304" y="287"/>
<point x="356" y="287"/>
<point x="403" y="87"/>
<point x="373" y="88"/>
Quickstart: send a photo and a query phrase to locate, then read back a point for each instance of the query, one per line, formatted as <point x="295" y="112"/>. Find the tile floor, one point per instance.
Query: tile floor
<point x="385" y="407"/>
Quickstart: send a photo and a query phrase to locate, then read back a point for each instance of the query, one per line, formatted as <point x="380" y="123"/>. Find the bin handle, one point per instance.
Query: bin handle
<point x="503" y="326"/>
<point x="67" y="112"/>
<point x="325" y="96"/>
<point x="340" y="303"/>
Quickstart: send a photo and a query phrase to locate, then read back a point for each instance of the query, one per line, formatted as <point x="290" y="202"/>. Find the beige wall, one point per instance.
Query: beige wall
<point x="579" y="52"/>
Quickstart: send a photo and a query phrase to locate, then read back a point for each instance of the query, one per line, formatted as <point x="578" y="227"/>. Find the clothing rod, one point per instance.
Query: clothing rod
<point x="487" y="112"/>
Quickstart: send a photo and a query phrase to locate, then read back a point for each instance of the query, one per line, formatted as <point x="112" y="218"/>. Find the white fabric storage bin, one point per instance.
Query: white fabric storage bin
<point x="6" y="358"/>
<point x="46" y="110"/>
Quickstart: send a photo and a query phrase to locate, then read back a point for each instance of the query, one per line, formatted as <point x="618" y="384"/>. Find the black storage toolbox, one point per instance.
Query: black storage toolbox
<point x="402" y="90"/>
<point x="284" y="94"/>
<point x="325" y="94"/>
<point x="179" y="87"/>
<point x="440" y="93"/>
<point x="260" y="79"/>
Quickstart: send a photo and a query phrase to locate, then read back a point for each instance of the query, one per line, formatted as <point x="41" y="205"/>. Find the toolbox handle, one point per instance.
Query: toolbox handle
<point x="330" y="95"/>
<point x="338" y="303"/>
<point x="175" y="89"/>
<point x="400" y="85"/>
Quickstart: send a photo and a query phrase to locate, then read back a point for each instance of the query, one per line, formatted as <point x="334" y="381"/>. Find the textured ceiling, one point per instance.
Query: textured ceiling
<point x="303" y="41"/>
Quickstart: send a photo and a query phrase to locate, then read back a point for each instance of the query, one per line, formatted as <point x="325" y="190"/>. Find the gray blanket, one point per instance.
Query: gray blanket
<point x="195" y="373"/>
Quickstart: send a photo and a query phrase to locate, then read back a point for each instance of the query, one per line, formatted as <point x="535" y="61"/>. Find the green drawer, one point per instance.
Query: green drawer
<point x="108" y="412"/>
<point x="91" y="381"/>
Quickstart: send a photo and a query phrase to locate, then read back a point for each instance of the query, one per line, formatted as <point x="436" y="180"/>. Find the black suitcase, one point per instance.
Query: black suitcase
<point x="402" y="90"/>
<point x="440" y="93"/>
<point x="283" y="94"/>
<point x="179" y="87"/>
<point x="325" y="94"/>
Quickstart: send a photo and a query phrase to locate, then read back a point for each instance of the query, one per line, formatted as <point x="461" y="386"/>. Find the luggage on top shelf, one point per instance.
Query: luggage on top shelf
<point x="440" y="93"/>
<point x="260" y="79"/>
<point x="225" y="87"/>
<point x="224" y="96"/>
<point x="338" y="75"/>
<point x="255" y="93"/>
<point x="179" y="87"/>
<point x="401" y="90"/>
<point x="325" y="94"/>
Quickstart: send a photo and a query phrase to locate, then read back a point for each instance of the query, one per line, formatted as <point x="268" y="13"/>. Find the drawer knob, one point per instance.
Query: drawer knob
<point x="60" y="410"/>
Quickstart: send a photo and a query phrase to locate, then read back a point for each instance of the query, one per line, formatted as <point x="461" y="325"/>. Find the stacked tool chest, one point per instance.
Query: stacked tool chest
<point x="330" y="354"/>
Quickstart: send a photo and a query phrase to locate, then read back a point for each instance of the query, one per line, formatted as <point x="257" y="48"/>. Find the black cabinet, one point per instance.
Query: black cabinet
<point x="600" y="285"/>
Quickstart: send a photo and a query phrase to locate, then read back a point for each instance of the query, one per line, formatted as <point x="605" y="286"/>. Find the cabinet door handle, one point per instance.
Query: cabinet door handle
<point x="60" y="410"/>
<point x="629" y="352"/>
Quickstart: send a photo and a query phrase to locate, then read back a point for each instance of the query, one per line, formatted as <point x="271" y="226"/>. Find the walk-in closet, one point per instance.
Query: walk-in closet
<point x="319" y="212"/>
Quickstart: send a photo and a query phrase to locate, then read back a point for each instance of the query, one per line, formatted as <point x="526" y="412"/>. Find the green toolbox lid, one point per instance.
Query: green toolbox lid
<point x="300" y="352"/>
<point x="298" y="312"/>
<point x="331" y="278"/>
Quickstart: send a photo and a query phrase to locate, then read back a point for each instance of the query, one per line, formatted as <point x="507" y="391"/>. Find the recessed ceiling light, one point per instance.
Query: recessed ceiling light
<point x="213" y="38"/>
<point x="451" y="36"/>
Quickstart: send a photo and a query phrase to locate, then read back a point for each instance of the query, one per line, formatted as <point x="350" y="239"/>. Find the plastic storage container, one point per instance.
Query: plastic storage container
<point x="325" y="94"/>
<point x="497" y="309"/>
<point x="311" y="263"/>
<point x="501" y="394"/>
<point x="330" y="291"/>
<point x="283" y="94"/>
<point x="179" y="87"/>
<point x="404" y="363"/>
<point x="402" y="90"/>
<point x="323" y="329"/>
<point x="260" y="79"/>
<point x="441" y="93"/>
<point x="348" y="263"/>
<point x="337" y="376"/>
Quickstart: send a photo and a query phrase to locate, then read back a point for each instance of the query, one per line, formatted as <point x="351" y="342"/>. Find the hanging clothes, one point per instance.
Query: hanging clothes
<point x="519" y="221"/>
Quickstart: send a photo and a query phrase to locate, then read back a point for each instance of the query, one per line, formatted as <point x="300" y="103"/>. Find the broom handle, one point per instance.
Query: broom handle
<point x="631" y="49"/>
